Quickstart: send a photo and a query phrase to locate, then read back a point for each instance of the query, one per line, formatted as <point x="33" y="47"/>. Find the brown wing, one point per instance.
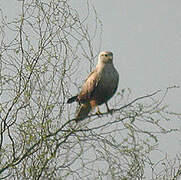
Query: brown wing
<point x="89" y="86"/>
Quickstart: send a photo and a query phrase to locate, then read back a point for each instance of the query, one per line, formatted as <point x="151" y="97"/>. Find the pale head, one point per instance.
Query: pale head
<point x="105" y="57"/>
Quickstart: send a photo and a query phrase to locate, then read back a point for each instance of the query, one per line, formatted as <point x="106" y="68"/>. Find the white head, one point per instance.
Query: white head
<point x="105" y="57"/>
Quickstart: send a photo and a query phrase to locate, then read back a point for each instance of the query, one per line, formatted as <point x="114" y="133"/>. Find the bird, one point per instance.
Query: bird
<point x="98" y="88"/>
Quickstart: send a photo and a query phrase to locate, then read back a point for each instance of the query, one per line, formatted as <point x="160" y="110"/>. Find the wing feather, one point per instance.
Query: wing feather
<point x="89" y="86"/>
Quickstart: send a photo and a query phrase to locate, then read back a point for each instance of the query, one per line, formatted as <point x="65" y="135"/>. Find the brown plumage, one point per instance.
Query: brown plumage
<point x="98" y="88"/>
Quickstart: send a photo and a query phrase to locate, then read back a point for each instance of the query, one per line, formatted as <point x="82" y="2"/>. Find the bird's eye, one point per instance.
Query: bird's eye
<point x="106" y="55"/>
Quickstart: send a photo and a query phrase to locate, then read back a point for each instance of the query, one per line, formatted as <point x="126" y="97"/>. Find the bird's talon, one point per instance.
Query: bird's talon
<point x="99" y="113"/>
<point x="109" y="110"/>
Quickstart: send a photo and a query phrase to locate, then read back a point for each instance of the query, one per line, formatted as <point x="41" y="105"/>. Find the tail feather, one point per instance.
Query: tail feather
<point x="83" y="111"/>
<point x="72" y="99"/>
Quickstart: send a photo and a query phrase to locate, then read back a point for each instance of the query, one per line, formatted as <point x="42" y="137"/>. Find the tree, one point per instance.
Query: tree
<point x="41" y="54"/>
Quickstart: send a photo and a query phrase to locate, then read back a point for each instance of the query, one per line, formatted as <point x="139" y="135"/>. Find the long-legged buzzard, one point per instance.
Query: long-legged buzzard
<point x="98" y="88"/>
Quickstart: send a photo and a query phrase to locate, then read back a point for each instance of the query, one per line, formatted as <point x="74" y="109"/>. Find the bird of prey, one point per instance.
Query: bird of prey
<point x="98" y="88"/>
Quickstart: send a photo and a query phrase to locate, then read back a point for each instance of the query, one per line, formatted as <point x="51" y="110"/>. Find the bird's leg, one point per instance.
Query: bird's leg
<point x="109" y="110"/>
<point x="98" y="110"/>
<point x="107" y="107"/>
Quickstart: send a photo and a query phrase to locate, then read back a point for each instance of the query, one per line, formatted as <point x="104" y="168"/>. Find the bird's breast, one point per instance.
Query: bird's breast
<point x="108" y="83"/>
